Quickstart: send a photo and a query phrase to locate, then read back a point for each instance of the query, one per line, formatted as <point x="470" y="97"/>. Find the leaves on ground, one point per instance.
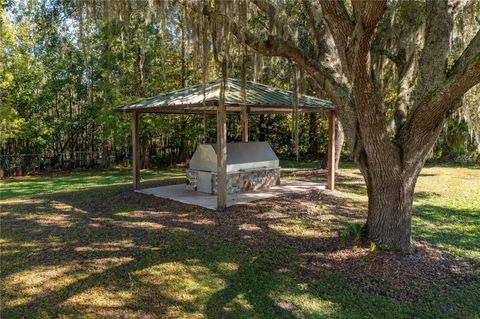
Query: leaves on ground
<point x="106" y="252"/>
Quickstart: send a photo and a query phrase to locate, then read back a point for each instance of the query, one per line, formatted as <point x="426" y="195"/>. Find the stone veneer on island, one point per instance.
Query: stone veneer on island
<point x="241" y="181"/>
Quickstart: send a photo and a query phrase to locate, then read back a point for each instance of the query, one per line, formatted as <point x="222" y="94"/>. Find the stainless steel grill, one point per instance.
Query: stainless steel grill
<point x="250" y="166"/>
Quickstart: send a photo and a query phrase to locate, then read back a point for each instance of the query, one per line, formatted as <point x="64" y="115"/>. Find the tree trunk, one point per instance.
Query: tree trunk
<point x="389" y="217"/>
<point x="339" y="139"/>
<point x="145" y="158"/>
<point x="141" y="70"/>
<point x="313" y="136"/>
<point x="390" y="201"/>
<point x="70" y="129"/>
<point x="183" y="139"/>
<point x="105" y="147"/>
<point x="263" y="128"/>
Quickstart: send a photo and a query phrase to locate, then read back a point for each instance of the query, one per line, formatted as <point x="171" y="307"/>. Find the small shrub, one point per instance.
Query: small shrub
<point x="353" y="233"/>
<point x="373" y="246"/>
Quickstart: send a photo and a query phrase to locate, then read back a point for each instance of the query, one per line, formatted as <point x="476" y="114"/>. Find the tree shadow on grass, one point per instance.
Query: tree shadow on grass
<point x="112" y="253"/>
<point x="425" y="195"/>
<point x="320" y="175"/>
<point x="94" y="230"/>
<point x="436" y="226"/>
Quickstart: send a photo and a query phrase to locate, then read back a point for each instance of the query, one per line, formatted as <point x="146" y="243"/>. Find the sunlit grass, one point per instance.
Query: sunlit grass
<point x="447" y="209"/>
<point x="31" y="185"/>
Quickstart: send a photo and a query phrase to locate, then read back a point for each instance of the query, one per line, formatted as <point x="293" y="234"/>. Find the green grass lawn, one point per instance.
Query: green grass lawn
<point x="31" y="185"/>
<point x="83" y="245"/>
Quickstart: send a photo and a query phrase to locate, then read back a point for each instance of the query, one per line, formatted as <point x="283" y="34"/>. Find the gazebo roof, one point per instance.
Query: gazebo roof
<point x="260" y="98"/>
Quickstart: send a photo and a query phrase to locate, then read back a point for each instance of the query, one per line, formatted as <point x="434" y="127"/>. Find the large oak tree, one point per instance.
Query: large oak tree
<point x="351" y="41"/>
<point x="357" y="52"/>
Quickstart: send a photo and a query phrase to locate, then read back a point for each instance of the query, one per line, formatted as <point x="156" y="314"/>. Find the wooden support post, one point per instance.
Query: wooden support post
<point x="135" y="151"/>
<point x="331" y="151"/>
<point x="244" y="120"/>
<point x="221" y="158"/>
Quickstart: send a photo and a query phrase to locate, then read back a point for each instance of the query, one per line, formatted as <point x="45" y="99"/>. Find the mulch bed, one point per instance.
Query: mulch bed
<point x="401" y="276"/>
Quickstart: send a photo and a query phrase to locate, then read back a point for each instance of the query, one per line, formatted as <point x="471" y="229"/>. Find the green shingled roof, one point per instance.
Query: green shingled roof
<point x="260" y="98"/>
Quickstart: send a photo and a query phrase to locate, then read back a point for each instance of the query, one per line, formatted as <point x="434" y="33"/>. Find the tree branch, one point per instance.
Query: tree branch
<point x="329" y="79"/>
<point x="430" y="115"/>
<point x="318" y="28"/>
<point x="331" y="82"/>
<point x="341" y="27"/>
<point x="433" y="60"/>
<point x="467" y="58"/>
<point x="371" y="13"/>
<point x="276" y="17"/>
<point x="277" y="46"/>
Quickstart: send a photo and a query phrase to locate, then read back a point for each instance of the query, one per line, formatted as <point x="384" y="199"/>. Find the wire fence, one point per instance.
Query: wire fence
<point x="22" y="164"/>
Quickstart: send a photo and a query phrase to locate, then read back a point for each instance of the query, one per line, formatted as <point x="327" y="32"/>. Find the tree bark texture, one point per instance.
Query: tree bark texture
<point x="390" y="200"/>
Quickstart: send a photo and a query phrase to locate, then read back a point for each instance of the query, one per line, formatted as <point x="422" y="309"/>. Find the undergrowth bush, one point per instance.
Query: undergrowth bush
<point x="352" y="234"/>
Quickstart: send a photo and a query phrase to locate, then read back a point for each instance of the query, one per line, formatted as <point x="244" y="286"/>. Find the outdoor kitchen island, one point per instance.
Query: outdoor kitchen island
<point x="253" y="173"/>
<point x="250" y="166"/>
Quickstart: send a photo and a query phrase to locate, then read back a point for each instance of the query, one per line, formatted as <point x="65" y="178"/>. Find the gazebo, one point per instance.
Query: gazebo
<point x="200" y="99"/>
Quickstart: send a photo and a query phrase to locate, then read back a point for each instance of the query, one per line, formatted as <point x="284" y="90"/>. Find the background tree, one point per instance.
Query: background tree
<point x="66" y="64"/>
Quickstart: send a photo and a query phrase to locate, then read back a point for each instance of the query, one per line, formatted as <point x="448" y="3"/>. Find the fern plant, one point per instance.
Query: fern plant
<point x="353" y="233"/>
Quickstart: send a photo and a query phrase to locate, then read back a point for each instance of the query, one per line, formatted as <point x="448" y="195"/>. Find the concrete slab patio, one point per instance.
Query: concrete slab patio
<point x="180" y="193"/>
